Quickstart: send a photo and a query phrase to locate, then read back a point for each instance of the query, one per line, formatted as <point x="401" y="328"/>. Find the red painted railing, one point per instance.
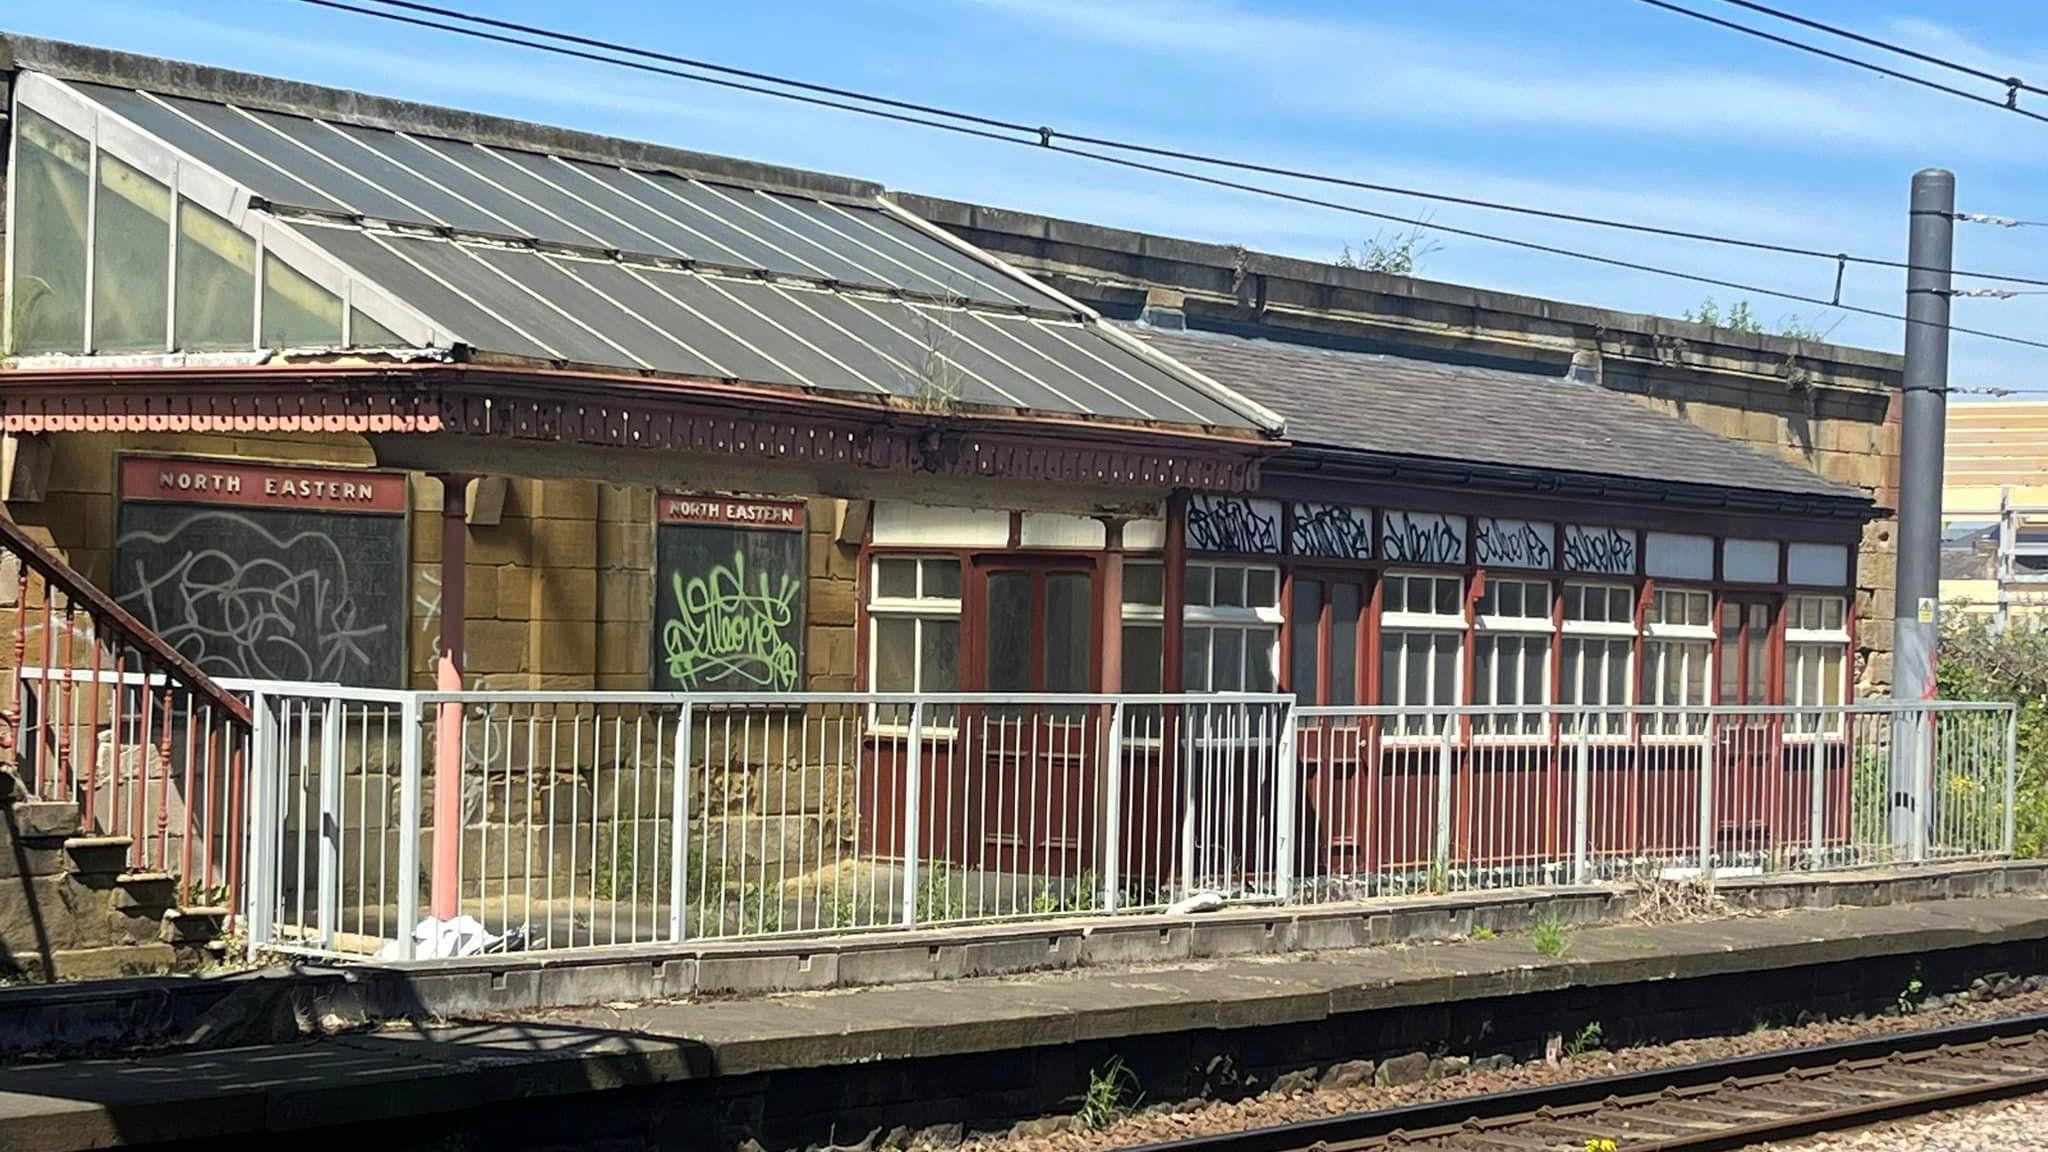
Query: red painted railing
<point x="98" y="710"/>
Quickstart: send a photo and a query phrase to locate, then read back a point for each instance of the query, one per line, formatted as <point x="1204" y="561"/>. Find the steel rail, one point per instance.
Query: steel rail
<point x="1495" y="1111"/>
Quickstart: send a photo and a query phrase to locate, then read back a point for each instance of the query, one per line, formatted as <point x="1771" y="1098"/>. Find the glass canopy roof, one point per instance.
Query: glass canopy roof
<point x="147" y="222"/>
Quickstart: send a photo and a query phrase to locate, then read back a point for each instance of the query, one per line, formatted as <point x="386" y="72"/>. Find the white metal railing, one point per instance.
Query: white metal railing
<point x="560" y="820"/>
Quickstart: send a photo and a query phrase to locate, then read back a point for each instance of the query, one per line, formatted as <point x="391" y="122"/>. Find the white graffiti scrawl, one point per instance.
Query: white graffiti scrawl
<point x="276" y="608"/>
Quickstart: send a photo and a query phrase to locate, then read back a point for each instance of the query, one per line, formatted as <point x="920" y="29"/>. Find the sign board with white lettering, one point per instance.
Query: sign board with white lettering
<point x="268" y="572"/>
<point x="729" y="586"/>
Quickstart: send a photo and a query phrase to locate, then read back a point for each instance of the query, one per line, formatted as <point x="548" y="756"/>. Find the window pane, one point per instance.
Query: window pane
<point x="1831" y="675"/>
<point x="1200" y="585"/>
<point x="1009" y="632"/>
<point x="1536" y="599"/>
<point x="1444" y="654"/>
<point x="1229" y="587"/>
<point x="297" y="313"/>
<point x="941" y="651"/>
<point x="1447" y="597"/>
<point x="941" y="579"/>
<point x="1259" y="650"/>
<point x="1144" y="654"/>
<point x="216" y="282"/>
<point x="895" y="654"/>
<point x="131" y="287"/>
<point x="364" y="332"/>
<point x="1067" y="632"/>
<point x="1390" y="668"/>
<point x="1831" y="613"/>
<point x="1415" y="678"/>
<point x="1194" y="660"/>
<point x="1262" y="588"/>
<point x="1394" y="594"/>
<point x="47" y="288"/>
<point x="1535" y="669"/>
<point x="1145" y="584"/>
<point x="1617" y="657"/>
<point x="1227" y="663"/>
<point x="896" y="578"/>
<point x="1306" y="663"/>
<point x="1575" y="602"/>
<point x="1345" y="609"/>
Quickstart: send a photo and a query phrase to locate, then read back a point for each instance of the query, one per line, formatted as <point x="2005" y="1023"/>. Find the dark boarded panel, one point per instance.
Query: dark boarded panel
<point x="729" y="595"/>
<point x="273" y="593"/>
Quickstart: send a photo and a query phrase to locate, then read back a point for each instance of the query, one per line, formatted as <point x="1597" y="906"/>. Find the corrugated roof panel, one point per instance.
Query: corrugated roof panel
<point x="967" y="345"/>
<point x="666" y="345"/>
<point x="422" y="156"/>
<point x="445" y="306"/>
<point x="803" y="364"/>
<point x="1116" y="370"/>
<point x="515" y="301"/>
<point x="210" y="150"/>
<point x="798" y="337"/>
<point x="699" y="209"/>
<point x="786" y="231"/>
<point x="923" y="376"/>
<point x="434" y="204"/>
<point x="598" y="229"/>
<point x="790" y="304"/>
<point x="670" y="236"/>
<point x="652" y="293"/>
<point x="1004" y="336"/>
<point x="339" y="181"/>
<point x="976" y="281"/>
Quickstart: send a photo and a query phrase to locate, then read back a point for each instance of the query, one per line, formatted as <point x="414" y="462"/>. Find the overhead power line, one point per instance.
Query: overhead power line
<point x="1840" y="58"/>
<point x="1048" y="137"/>
<point x="2013" y="84"/>
<point x="987" y="128"/>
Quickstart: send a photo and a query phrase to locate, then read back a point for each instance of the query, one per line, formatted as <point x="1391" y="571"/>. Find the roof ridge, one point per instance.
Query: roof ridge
<point x="85" y="63"/>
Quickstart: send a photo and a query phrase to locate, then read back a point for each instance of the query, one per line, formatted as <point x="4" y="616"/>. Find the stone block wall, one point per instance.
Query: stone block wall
<point x="560" y="591"/>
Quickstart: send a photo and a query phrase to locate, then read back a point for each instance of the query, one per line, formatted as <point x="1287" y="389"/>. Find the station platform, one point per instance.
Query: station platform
<point x="827" y="1065"/>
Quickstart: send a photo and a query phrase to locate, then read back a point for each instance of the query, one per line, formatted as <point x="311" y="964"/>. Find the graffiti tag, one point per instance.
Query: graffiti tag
<point x="1511" y="543"/>
<point x="726" y="630"/>
<point x="1333" y="530"/>
<point x="277" y="608"/>
<point x="1603" y="551"/>
<point x="1419" y="538"/>
<point x="1218" y="524"/>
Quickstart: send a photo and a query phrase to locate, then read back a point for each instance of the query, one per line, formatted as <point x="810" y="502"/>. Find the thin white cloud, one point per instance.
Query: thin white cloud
<point x="1385" y="73"/>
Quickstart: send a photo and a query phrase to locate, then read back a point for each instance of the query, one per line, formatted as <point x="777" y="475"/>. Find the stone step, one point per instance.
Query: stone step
<point x="195" y="925"/>
<point x="98" y="855"/>
<point x="44" y="820"/>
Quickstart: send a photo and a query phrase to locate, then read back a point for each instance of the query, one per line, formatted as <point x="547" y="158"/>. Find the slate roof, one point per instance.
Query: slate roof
<point x="1400" y="407"/>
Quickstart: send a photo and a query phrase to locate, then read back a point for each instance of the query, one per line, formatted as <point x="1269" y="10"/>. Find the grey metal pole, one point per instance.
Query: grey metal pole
<point x="1923" y="420"/>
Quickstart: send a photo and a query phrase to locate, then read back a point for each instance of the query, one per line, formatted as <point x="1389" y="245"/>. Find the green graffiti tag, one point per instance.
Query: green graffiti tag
<point x="725" y="632"/>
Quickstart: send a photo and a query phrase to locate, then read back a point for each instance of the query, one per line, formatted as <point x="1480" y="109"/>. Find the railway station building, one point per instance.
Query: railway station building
<point x="322" y="387"/>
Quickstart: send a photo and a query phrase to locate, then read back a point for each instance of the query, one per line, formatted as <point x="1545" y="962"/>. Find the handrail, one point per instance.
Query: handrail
<point x="101" y="607"/>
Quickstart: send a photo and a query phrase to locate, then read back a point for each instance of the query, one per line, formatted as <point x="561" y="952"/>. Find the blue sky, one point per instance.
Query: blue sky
<point x="1599" y="106"/>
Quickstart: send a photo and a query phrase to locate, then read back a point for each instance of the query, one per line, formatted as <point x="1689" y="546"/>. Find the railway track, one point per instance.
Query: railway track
<point x="1717" y="1104"/>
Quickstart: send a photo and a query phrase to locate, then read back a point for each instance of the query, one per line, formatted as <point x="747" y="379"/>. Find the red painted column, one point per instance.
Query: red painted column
<point x="445" y="891"/>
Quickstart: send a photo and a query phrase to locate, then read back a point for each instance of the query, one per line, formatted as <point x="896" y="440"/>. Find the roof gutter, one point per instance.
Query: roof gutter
<point x="1384" y="467"/>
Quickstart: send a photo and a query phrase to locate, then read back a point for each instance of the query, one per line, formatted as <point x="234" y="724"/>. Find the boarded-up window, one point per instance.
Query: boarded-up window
<point x="267" y="572"/>
<point x="729" y="595"/>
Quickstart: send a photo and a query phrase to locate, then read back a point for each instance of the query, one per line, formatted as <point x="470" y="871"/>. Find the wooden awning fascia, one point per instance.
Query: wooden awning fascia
<point x="629" y="412"/>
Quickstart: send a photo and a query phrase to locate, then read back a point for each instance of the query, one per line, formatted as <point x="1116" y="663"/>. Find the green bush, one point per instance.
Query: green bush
<point x="1978" y="663"/>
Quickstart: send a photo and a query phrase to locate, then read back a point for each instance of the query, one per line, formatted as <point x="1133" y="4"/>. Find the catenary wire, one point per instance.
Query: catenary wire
<point x="1047" y="136"/>
<point x="926" y="120"/>
<point x="1840" y="58"/>
<point x="2012" y="83"/>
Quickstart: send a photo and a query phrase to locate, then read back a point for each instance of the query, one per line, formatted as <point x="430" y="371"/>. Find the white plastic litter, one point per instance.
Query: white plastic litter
<point x="1198" y="902"/>
<point x="436" y="939"/>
